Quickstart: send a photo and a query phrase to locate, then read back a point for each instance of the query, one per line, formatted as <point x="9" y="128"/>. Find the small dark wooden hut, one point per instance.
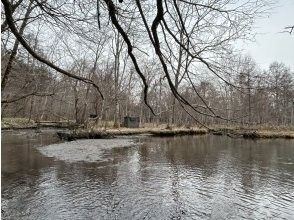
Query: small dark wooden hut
<point x="131" y="122"/>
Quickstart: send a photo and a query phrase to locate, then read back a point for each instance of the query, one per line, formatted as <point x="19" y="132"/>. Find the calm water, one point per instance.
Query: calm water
<point x="201" y="177"/>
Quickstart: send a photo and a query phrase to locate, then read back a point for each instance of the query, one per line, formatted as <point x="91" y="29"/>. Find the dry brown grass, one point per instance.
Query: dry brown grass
<point x="16" y="123"/>
<point x="150" y="130"/>
<point x="108" y="133"/>
<point x="263" y="127"/>
<point x="275" y="134"/>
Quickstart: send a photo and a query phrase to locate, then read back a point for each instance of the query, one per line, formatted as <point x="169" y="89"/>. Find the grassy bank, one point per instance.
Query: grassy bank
<point x="161" y="132"/>
<point x="252" y="132"/>
<point x="96" y="134"/>
<point x="17" y="123"/>
<point x="25" y="123"/>
<point x="269" y="134"/>
<point x="255" y="132"/>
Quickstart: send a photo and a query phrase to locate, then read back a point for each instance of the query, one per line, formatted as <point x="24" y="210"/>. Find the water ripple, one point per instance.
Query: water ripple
<point x="165" y="178"/>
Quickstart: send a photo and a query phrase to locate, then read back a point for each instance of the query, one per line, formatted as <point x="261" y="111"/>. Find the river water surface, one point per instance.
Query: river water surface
<point x="199" y="177"/>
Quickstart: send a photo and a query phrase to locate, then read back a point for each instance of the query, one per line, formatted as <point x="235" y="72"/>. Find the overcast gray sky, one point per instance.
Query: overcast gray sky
<point x="271" y="45"/>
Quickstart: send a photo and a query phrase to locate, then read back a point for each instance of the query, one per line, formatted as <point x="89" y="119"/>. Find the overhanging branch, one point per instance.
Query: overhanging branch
<point x="10" y="22"/>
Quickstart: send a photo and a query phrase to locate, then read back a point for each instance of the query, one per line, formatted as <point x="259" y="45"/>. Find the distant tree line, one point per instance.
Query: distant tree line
<point x="259" y="96"/>
<point x="166" y="61"/>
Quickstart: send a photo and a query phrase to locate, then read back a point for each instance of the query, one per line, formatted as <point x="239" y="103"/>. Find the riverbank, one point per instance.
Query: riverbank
<point x="162" y="132"/>
<point x="24" y="123"/>
<point x="17" y="123"/>
<point x="99" y="134"/>
<point x="254" y="133"/>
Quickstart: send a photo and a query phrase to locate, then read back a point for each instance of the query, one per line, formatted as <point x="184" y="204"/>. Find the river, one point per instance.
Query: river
<point x="189" y="177"/>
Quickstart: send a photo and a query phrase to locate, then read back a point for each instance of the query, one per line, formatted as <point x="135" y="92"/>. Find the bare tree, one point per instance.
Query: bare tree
<point x="186" y="39"/>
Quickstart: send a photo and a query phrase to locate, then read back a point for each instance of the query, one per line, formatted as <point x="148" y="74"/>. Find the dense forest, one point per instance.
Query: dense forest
<point x="87" y="60"/>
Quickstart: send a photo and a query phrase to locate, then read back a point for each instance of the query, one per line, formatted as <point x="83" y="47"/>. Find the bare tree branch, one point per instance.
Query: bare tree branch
<point x="10" y="22"/>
